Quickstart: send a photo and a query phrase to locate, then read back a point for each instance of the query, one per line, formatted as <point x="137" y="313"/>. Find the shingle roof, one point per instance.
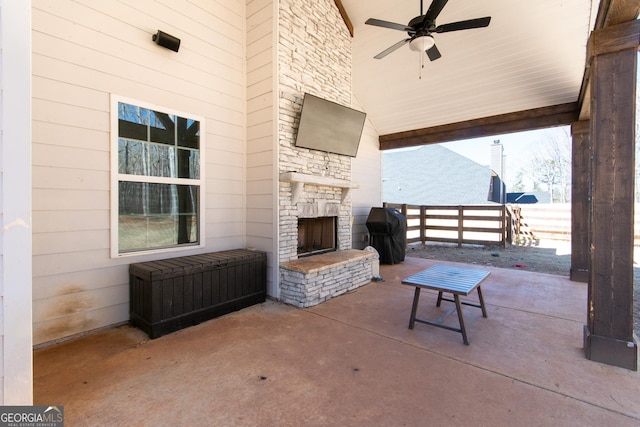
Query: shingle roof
<point x="433" y="175"/>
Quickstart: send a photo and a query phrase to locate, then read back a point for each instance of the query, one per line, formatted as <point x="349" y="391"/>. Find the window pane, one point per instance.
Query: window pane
<point x="161" y="198"/>
<point x="188" y="164"/>
<point x="157" y="215"/>
<point x="163" y="128"/>
<point x="138" y="232"/>
<point x="188" y="133"/>
<point x="156" y="144"/>
<point x="162" y="161"/>
<point x="133" y="121"/>
<point x="132" y="157"/>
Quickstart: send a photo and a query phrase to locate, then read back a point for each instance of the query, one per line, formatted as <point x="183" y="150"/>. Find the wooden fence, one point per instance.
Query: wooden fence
<point x="491" y="224"/>
<point x="468" y="224"/>
<point x="548" y="220"/>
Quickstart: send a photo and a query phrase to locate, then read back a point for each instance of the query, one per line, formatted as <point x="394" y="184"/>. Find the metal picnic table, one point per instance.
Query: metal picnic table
<point x="454" y="280"/>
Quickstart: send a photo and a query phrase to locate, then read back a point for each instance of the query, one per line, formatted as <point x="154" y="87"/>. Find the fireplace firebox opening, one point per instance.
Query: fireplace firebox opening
<point x="317" y="235"/>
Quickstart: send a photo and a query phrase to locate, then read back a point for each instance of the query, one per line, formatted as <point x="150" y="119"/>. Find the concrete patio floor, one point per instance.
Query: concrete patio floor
<point x="352" y="361"/>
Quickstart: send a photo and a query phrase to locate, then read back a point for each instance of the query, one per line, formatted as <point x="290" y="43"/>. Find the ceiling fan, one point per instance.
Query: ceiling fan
<point x="421" y="28"/>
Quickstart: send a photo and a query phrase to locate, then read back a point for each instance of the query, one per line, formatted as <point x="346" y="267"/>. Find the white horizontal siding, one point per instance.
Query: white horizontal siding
<point x="109" y="27"/>
<point x="77" y="323"/>
<point x="53" y="285"/>
<point x="47" y="133"/>
<point x="46" y="155"/>
<point x="70" y="241"/>
<point x="77" y="220"/>
<point x="260" y="134"/>
<point x="77" y="300"/>
<point x="69" y="179"/>
<point x="68" y="200"/>
<point x="366" y="171"/>
<point x="261" y="172"/>
<point x="83" y="52"/>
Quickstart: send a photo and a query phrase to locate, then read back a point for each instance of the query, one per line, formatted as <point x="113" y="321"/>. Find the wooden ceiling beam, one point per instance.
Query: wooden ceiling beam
<point x="537" y="118"/>
<point x="610" y="13"/>
<point x="344" y="15"/>
<point x="614" y="12"/>
<point x="615" y="38"/>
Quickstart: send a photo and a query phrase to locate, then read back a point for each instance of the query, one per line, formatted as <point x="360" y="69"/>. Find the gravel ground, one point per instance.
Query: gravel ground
<point x="546" y="258"/>
<point x="552" y="257"/>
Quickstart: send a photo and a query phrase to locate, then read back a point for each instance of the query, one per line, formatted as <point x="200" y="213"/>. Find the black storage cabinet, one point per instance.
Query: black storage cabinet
<point x="171" y="294"/>
<point x="388" y="234"/>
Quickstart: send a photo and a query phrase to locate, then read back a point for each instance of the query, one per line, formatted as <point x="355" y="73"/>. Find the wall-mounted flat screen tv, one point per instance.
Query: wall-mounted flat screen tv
<point x="328" y="126"/>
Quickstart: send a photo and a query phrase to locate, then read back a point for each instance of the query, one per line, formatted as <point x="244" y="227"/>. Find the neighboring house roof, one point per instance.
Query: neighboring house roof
<point x="433" y="175"/>
<point x="521" y="198"/>
<point x="528" y="198"/>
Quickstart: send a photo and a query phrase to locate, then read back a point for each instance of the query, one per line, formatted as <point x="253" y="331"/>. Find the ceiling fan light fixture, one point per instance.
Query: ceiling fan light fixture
<point x="422" y="43"/>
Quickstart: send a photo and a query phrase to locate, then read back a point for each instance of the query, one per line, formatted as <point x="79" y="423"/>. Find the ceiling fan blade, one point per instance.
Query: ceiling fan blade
<point x="433" y="53"/>
<point x="434" y="10"/>
<point x="390" y="49"/>
<point x="464" y="25"/>
<point x="387" y="24"/>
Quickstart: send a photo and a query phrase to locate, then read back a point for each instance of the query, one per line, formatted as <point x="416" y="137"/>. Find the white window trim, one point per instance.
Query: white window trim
<point x="115" y="178"/>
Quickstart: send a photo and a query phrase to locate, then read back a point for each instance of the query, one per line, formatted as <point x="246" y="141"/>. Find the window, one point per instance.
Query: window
<point x="157" y="179"/>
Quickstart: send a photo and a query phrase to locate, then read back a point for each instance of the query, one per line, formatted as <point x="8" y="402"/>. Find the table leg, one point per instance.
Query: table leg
<point x="414" y="308"/>
<point x="463" y="331"/>
<point x="484" y="310"/>
<point x="439" y="299"/>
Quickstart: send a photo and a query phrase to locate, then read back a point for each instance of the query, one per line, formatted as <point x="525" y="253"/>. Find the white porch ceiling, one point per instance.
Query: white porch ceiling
<point x="531" y="55"/>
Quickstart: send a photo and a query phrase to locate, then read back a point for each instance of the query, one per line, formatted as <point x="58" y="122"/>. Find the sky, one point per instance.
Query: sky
<point x="519" y="148"/>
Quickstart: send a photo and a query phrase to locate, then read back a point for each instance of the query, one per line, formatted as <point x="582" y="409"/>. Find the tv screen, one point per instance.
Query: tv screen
<point x="327" y="126"/>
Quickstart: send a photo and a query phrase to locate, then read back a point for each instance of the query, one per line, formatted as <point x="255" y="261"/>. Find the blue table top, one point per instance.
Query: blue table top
<point x="446" y="278"/>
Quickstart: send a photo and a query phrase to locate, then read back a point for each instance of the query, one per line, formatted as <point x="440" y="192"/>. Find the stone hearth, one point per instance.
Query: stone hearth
<point x="309" y="281"/>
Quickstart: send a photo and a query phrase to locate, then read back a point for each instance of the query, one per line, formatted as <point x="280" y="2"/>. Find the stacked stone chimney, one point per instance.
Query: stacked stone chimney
<point x="314" y="55"/>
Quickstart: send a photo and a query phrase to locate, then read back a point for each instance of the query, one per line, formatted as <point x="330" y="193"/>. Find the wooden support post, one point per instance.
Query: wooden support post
<point x="405" y="212"/>
<point x="608" y="335"/>
<point x="580" y="200"/>
<point x="423" y="224"/>
<point x="504" y="225"/>
<point x="460" y="225"/>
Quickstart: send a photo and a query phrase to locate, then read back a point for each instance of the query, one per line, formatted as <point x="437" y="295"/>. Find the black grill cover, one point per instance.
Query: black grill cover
<point x="388" y="230"/>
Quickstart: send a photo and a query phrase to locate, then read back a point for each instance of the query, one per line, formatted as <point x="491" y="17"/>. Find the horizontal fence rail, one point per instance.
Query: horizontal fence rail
<point x="548" y="220"/>
<point x="463" y="224"/>
<point x="491" y="224"/>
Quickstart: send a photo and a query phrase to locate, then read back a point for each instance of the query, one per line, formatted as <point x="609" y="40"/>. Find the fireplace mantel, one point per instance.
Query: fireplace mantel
<point x="298" y="180"/>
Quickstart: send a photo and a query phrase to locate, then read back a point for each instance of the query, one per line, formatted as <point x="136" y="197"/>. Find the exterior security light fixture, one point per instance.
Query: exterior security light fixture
<point x="166" y="40"/>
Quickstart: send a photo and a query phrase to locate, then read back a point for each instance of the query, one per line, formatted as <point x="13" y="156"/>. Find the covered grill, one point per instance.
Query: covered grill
<point x="388" y="234"/>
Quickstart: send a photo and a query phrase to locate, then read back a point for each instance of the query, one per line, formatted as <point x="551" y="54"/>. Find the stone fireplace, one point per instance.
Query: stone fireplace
<point x="315" y="231"/>
<point x="314" y="184"/>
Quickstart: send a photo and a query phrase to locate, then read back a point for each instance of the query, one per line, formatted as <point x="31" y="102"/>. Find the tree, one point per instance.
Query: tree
<point x="554" y="165"/>
<point x="518" y="186"/>
<point x="550" y="167"/>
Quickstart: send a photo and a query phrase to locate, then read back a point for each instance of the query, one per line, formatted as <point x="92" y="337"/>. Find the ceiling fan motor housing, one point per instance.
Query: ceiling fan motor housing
<point x="417" y="25"/>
